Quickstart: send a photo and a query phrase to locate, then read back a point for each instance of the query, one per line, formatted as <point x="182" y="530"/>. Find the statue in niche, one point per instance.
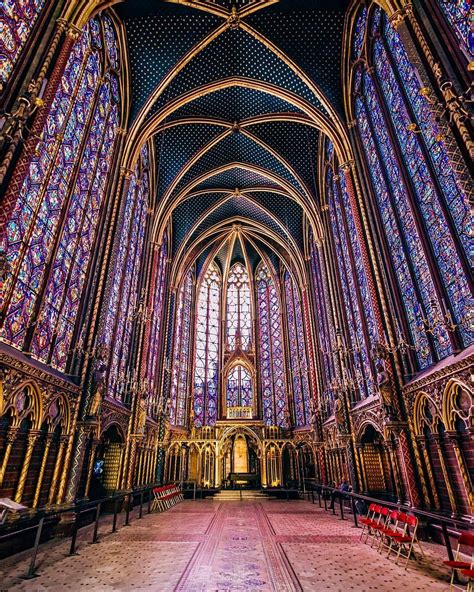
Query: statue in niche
<point x="98" y="380"/>
<point x="141" y="416"/>
<point x="339" y="414"/>
<point x="384" y="384"/>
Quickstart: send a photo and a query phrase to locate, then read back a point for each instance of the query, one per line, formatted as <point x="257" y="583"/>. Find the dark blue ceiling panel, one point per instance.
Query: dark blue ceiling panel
<point x="234" y="103"/>
<point x="188" y="213"/>
<point x="312" y="39"/>
<point x="238" y="148"/>
<point x="156" y="42"/>
<point x="300" y="152"/>
<point x="236" y="178"/>
<point x="236" y="53"/>
<point x="238" y="207"/>
<point x="175" y="146"/>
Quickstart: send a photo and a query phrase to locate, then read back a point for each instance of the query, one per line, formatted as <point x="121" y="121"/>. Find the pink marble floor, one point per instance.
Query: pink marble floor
<point x="205" y="546"/>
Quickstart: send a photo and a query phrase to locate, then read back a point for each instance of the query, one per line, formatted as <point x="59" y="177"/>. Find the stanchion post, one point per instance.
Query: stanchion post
<point x="75" y="528"/>
<point x="354" y="511"/>
<point x="31" y="571"/>
<point x="140" y="514"/>
<point x="96" y="525"/>
<point x="114" y="523"/>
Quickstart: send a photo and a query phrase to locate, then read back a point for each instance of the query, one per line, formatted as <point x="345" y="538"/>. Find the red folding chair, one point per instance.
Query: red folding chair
<point x="466" y="539"/>
<point x="376" y="517"/>
<point x="368" y="520"/>
<point x="381" y="524"/>
<point x="389" y="531"/>
<point x="407" y="538"/>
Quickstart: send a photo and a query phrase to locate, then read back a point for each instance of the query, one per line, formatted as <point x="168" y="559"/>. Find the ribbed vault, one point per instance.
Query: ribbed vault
<point x="235" y="106"/>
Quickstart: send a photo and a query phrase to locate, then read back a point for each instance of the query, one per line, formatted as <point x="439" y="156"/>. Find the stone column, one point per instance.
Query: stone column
<point x="12" y="435"/>
<point x="39" y="483"/>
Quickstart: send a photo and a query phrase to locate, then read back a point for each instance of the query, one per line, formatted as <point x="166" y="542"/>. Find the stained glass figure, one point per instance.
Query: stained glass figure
<point x="270" y="349"/>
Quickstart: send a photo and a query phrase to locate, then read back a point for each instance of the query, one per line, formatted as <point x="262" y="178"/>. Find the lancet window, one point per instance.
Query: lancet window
<point x="53" y="228"/>
<point x="156" y="301"/>
<point x="270" y="350"/>
<point x="181" y="353"/>
<point x="239" y="387"/>
<point x="239" y="319"/>
<point x="458" y="13"/>
<point x="123" y="302"/>
<point x="207" y="347"/>
<point x="298" y="361"/>
<point x="417" y="194"/>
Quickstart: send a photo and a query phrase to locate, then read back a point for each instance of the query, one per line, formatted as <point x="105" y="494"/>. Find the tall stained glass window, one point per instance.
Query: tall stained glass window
<point x="417" y="193"/>
<point x="17" y="20"/>
<point x="181" y="353"/>
<point x="325" y="327"/>
<point x="239" y="320"/>
<point x="123" y="300"/>
<point x="206" y="366"/>
<point x="270" y="350"/>
<point x="355" y="312"/>
<point x="239" y="387"/>
<point x="60" y="203"/>
<point x="156" y="299"/>
<point x="297" y="353"/>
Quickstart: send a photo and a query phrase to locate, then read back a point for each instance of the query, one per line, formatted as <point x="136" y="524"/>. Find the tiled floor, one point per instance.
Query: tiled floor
<point x="205" y="546"/>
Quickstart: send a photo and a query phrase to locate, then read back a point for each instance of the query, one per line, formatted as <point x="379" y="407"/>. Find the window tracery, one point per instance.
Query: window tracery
<point x="238" y="319"/>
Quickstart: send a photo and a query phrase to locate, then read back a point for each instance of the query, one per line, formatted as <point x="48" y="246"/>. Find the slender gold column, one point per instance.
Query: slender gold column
<point x="47" y="446"/>
<point x="454" y="439"/>
<point x="396" y="470"/>
<point x="32" y="437"/>
<point x="12" y="435"/>
<point x="360" y="453"/>
<point x="90" y="466"/>
<point x="57" y="469"/>
<point x="422" y="444"/>
<point x="446" y="475"/>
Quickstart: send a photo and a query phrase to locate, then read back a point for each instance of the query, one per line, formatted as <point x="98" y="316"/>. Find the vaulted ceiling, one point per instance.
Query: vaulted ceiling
<point x="235" y="94"/>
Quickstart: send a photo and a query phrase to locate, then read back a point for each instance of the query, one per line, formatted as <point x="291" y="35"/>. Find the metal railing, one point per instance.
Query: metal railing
<point x="126" y="498"/>
<point x="430" y="518"/>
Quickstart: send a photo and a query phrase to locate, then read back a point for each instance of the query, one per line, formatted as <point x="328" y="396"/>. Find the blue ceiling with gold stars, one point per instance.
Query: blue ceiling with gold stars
<point x="232" y="90"/>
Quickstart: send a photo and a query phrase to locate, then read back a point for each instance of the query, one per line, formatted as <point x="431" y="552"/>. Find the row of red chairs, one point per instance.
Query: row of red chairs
<point x="166" y="496"/>
<point x="391" y="530"/>
<point x="396" y="531"/>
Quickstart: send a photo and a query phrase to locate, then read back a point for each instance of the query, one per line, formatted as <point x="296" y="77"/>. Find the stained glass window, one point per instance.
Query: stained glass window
<point x="422" y="175"/>
<point x="238" y="319"/>
<point x="239" y="388"/>
<point x="352" y="307"/>
<point x="459" y="14"/>
<point x="359" y="33"/>
<point x="325" y="327"/>
<point x="297" y="353"/>
<point x="409" y="211"/>
<point x="123" y="302"/>
<point x="156" y="297"/>
<point x="270" y="348"/>
<point x="181" y="353"/>
<point x="59" y="207"/>
<point x="207" y="348"/>
<point x="17" y="20"/>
